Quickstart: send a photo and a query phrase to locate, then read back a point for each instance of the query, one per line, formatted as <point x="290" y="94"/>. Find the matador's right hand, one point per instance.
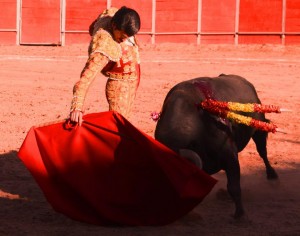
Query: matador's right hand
<point x="76" y="116"/>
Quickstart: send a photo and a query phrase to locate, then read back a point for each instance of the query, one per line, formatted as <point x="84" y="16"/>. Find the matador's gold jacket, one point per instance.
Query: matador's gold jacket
<point x="114" y="60"/>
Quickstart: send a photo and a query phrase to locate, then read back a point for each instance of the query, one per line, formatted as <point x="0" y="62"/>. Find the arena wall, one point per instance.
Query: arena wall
<point x="65" y="22"/>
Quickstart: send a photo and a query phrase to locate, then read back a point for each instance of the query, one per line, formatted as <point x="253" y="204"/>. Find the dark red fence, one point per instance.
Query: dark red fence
<point x="63" y="22"/>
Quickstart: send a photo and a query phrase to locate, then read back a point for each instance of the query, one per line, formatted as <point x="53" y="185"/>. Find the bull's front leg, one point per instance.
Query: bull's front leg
<point x="232" y="169"/>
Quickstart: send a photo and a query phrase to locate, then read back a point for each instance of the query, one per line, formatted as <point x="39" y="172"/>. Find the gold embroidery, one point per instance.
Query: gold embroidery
<point x="120" y="95"/>
<point x="95" y="63"/>
<point x="109" y="12"/>
<point x="104" y="43"/>
<point x="119" y="76"/>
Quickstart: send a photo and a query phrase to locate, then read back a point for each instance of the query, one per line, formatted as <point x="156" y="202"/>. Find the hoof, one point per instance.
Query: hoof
<point x="271" y="174"/>
<point x="239" y="213"/>
<point x="241" y="220"/>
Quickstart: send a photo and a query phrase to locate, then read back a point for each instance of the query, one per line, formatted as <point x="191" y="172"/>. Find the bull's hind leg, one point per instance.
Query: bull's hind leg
<point x="260" y="139"/>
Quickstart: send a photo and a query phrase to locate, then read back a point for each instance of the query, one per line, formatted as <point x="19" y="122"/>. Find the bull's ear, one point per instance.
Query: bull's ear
<point x="191" y="156"/>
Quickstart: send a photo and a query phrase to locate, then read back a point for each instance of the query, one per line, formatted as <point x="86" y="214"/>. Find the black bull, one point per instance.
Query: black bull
<point x="208" y="140"/>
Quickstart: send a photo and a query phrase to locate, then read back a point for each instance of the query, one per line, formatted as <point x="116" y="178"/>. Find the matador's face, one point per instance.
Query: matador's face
<point x="119" y="35"/>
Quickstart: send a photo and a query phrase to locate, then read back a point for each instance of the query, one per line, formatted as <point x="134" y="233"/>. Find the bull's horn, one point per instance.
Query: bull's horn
<point x="191" y="156"/>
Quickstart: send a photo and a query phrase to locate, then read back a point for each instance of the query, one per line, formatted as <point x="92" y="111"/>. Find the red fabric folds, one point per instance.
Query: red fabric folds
<point x="108" y="172"/>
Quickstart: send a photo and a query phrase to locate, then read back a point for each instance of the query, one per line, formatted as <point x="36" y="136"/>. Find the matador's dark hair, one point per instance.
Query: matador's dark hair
<point x="128" y="20"/>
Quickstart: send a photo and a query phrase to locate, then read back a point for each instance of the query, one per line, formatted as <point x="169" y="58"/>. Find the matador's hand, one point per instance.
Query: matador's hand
<point x="76" y="116"/>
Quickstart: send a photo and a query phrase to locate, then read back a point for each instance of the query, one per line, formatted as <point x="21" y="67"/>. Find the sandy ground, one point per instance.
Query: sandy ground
<point x="36" y="85"/>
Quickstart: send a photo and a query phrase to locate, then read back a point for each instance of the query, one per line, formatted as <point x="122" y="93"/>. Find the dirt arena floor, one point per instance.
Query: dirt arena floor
<point x="36" y="87"/>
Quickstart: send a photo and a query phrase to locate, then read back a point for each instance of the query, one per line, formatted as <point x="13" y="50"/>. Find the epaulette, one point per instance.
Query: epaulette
<point x="104" y="43"/>
<point x="109" y="12"/>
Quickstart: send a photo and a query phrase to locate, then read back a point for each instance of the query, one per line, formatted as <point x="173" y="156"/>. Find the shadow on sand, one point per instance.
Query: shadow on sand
<point x="25" y="210"/>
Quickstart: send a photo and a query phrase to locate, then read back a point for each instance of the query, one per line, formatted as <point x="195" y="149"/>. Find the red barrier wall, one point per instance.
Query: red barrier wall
<point x="260" y="16"/>
<point x="176" y="16"/>
<point x="40" y="22"/>
<point x="79" y="15"/>
<point x="292" y="21"/>
<point x="64" y="22"/>
<point x="8" y="21"/>
<point x="217" y="21"/>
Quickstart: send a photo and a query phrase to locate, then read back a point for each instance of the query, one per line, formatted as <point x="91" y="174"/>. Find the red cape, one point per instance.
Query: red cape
<point x="108" y="172"/>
